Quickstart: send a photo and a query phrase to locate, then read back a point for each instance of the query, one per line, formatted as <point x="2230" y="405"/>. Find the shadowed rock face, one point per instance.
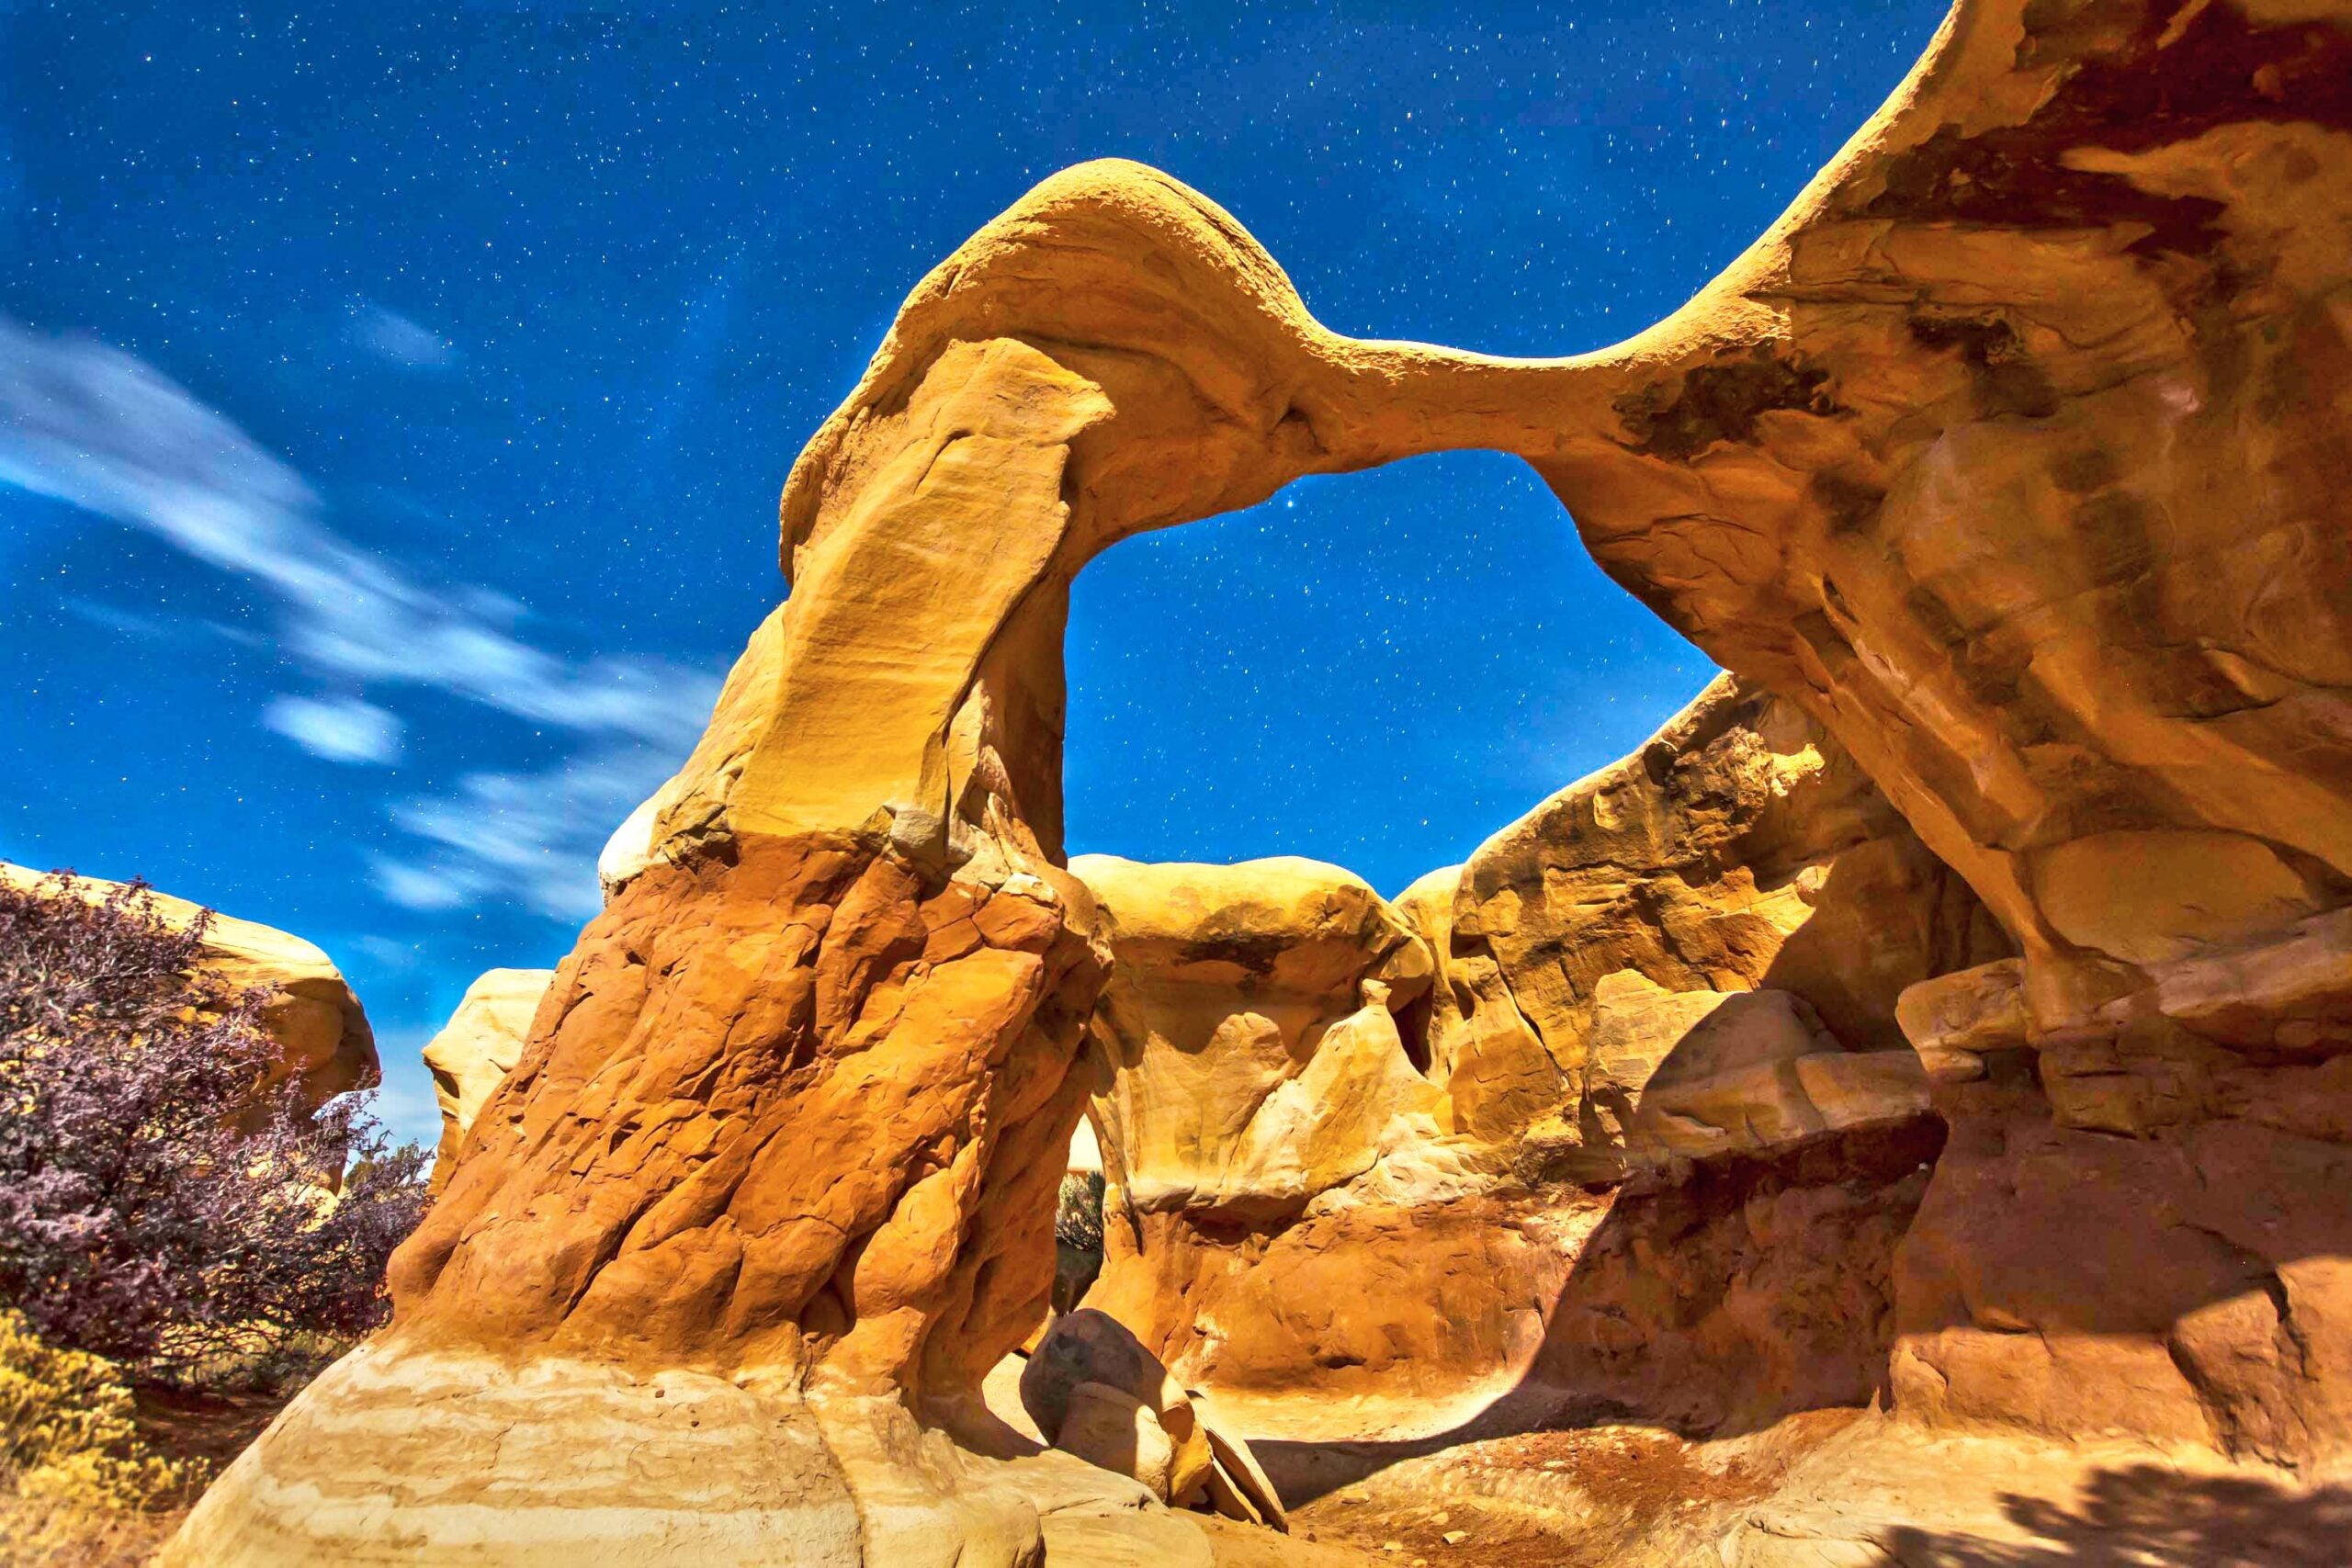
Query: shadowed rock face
<point x="2012" y="455"/>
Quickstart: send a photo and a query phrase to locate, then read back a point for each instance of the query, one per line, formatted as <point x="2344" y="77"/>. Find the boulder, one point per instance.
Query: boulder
<point x="477" y="1048"/>
<point x="1094" y="1391"/>
<point x="1110" y="1427"/>
<point x="311" y="1011"/>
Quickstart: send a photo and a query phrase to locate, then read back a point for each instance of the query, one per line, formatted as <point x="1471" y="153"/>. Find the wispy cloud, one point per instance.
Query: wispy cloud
<point x="399" y="339"/>
<point x="95" y="427"/>
<point x="531" y="837"/>
<point x="340" y="729"/>
<point x="92" y="426"/>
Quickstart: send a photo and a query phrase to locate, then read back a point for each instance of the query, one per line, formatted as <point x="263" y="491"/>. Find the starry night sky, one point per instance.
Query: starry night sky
<point x="393" y="401"/>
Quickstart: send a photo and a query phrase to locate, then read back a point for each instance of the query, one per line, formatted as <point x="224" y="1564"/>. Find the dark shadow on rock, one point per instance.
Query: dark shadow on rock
<point x="1717" y="1298"/>
<point x="2145" y="1514"/>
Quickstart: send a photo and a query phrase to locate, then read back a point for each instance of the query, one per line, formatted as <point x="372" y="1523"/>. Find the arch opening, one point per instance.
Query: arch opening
<point x="1375" y="668"/>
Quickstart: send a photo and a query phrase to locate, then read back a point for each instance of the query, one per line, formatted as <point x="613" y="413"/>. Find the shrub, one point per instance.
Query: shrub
<point x="165" y="1197"/>
<point x="1078" y="1216"/>
<point x="1078" y="1238"/>
<point x="66" y="1427"/>
<point x="36" y="1532"/>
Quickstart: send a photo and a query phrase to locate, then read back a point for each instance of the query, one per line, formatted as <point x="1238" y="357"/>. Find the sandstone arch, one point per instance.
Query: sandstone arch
<point x="2014" y="453"/>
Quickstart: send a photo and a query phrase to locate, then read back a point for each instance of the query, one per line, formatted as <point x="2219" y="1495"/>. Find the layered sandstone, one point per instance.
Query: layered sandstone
<point x="310" y="1010"/>
<point x="472" y="1053"/>
<point x="1664" y="1006"/>
<point x="2011" y="456"/>
<point x="1249" y="1034"/>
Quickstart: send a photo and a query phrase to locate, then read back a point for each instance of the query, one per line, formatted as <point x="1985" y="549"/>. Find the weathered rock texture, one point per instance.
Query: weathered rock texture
<point x="1092" y="1390"/>
<point x="1251" y="1033"/>
<point x="2012" y="455"/>
<point x="1653" y="956"/>
<point x="1331" y="1176"/>
<point x="311" y="1011"/>
<point x="477" y="1048"/>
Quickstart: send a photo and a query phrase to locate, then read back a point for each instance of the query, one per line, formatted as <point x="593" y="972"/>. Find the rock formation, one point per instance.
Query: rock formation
<point x="2011" y="456"/>
<point x="477" y="1048"/>
<point x="1094" y="1390"/>
<point x="1695" y="954"/>
<point x="311" y="1011"/>
<point x="1250" y="1033"/>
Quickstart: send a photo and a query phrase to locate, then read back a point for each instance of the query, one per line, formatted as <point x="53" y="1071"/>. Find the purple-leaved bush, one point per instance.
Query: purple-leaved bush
<point x="163" y="1198"/>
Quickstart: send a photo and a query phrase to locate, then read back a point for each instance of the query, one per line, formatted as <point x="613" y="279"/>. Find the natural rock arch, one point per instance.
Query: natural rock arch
<point x="2013" y="452"/>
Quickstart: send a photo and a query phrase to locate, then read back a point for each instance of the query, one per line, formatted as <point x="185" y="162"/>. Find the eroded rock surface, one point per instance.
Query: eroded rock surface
<point x="1250" y="1033"/>
<point x="1645" y="958"/>
<point x="1620" y="1112"/>
<point x="477" y="1048"/>
<point x="2012" y="455"/>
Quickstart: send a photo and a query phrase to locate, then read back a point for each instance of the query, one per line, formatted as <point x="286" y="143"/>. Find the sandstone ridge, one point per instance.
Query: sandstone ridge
<point x="472" y="1053"/>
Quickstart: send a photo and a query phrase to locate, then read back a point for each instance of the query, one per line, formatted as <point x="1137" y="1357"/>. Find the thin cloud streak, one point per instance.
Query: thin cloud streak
<point x="340" y="729"/>
<point x="99" y="429"/>
<point x="529" y="836"/>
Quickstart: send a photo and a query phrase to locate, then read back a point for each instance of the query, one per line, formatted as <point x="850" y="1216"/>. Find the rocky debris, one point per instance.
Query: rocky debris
<point x="2011" y="457"/>
<point x="312" y="1012"/>
<point x="477" y="1048"/>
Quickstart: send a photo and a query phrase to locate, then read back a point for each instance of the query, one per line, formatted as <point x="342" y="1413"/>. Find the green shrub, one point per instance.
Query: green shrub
<point x="1078" y="1216"/>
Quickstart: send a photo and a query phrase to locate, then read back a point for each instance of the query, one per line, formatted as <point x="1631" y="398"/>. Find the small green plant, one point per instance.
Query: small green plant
<point x="1078" y="1216"/>
<point x="1078" y="1238"/>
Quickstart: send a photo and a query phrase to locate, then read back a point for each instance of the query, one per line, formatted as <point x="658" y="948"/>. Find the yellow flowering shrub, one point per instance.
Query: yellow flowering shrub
<point x="66" y="1427"/>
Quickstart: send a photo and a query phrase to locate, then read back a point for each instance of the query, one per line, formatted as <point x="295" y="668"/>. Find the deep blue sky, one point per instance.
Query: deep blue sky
<point x="393" y="401"/>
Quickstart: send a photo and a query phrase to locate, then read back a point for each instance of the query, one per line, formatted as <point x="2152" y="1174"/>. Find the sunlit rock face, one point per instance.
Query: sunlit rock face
<point x="1251" y="1033"/>
<point x="1399" y="1152"/>
<point x="2017" y="459"/>
<point x="1634" y="967"/>
<point x="2012" y="458"/>
<point x="472" y="1053"/>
